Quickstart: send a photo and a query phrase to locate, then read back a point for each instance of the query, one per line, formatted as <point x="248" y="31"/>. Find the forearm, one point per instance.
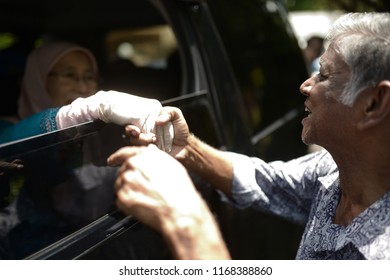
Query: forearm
<point x="195" y="237"/>
<point x="209" y="163"/>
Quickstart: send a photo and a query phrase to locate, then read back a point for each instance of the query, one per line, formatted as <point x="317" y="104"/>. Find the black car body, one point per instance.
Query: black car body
<point x="233" y="67"/>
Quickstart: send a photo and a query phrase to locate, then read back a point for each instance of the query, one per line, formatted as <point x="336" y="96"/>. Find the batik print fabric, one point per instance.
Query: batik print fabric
<point x="306" y="191"/>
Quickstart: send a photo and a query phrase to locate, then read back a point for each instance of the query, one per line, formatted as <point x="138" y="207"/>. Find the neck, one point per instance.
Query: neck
<point x="364" y="178"/>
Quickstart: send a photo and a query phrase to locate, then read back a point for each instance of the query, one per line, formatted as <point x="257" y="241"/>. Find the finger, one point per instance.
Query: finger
<point x="136" y="137"/>
<point x="119" y="182"/>
<point x="163" y="118"/>
<point x="132" y="130"/>
<point x="124" y="200"/>
<point x="127" y="178"/>
<point x="167" y="114"/>
<point x="118" y="157"/>
<point x="132" y="189"/>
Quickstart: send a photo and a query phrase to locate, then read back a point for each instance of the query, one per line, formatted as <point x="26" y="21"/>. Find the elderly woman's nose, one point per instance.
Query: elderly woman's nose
<point x="306" y="86"/>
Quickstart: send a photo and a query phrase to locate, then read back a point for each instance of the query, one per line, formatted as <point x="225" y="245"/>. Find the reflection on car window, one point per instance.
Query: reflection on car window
<point x="64" y="184"/>
<point x="137" y="56"/>
<point x="145" y="47"/>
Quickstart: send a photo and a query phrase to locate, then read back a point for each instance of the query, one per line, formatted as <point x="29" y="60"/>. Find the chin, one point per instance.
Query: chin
<point x="306" y="136"/>
<point x="304" y="139"/>
<point x="307" y="140"/>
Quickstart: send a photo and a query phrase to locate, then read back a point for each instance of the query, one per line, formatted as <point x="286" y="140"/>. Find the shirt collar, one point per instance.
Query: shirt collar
<point x="369" y="232"/>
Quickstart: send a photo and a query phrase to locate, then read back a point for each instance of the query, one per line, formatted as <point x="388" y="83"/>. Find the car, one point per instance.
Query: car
<point x="233" y="68"/>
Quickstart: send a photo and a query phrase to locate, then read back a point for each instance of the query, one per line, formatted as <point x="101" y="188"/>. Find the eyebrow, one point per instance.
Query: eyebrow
<point x="71" y="68"/>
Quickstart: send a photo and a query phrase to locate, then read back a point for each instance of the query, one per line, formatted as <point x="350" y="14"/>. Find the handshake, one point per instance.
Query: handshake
<point x="119" y="108"/>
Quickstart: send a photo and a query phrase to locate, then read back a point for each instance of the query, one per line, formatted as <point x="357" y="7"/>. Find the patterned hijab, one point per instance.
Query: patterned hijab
<point x="34" y="97"/>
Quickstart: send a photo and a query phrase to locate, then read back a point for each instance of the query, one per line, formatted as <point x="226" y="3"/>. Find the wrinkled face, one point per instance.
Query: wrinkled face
<point x="71" y="77"/>
<point x="328" y="121"/>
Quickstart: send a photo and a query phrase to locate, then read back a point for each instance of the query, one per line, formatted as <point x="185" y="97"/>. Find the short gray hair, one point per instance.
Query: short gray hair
<point x="363" y="40"/>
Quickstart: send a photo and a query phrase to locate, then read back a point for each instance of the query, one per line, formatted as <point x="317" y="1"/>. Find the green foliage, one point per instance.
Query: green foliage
<point x="6" y="40"/>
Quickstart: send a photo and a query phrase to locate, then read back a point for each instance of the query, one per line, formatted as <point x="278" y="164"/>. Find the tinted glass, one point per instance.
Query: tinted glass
<point x="64" y="184"/>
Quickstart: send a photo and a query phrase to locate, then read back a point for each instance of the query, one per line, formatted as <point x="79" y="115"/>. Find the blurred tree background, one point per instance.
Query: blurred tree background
<point x="345" y="5"/>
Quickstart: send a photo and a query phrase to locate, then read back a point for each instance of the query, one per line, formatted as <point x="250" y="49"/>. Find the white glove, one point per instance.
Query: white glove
<point x="119" y="108"/>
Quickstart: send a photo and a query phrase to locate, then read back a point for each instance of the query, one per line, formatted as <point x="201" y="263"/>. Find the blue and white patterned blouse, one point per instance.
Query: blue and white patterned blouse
<point x="306" y="191"/>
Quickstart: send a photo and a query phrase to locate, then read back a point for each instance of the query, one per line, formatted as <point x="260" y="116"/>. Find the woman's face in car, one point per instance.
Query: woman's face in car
<point x="71" y="77"/>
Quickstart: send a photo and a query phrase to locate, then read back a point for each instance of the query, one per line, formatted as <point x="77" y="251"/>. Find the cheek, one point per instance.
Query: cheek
<point x="55" y="92"/>
<point x="51" y="87"/>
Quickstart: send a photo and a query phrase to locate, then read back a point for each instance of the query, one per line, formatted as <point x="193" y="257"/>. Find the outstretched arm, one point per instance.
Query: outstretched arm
<point x="156" y="189"/>
<point x="207" y="162"/>
<point x="109" y="106"/>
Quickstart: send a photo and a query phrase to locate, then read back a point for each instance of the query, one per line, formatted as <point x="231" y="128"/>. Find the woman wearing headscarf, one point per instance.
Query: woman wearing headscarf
<point x="56" y="74"/>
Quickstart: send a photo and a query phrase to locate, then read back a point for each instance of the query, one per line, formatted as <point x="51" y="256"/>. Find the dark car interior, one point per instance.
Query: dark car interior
<point x="131" y="40"/>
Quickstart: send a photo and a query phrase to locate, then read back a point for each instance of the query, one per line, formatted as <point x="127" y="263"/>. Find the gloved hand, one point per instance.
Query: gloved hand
<point x="119" y="108"/>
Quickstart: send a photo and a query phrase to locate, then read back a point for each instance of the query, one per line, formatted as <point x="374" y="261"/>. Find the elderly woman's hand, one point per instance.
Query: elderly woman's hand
<point x="156" y="189"/>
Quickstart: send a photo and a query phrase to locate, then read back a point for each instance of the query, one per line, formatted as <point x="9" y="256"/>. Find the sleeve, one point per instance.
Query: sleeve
<point x="285" y="189"/>
<point x="36" y="124"/>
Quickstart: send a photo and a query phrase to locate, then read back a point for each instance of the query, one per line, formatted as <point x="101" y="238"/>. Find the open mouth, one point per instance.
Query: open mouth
<point x="307" y="111"/>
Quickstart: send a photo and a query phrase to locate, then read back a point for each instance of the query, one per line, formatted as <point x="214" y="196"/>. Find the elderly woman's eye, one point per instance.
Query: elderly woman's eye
<point x="70" y="75"/>
<point x="90" y="77"/>
<point x="321" y="77"/>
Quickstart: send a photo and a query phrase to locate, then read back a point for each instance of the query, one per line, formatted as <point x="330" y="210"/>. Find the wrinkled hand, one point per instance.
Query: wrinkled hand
<point x="169" y="116"/>
<point x="154" y="187"/>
